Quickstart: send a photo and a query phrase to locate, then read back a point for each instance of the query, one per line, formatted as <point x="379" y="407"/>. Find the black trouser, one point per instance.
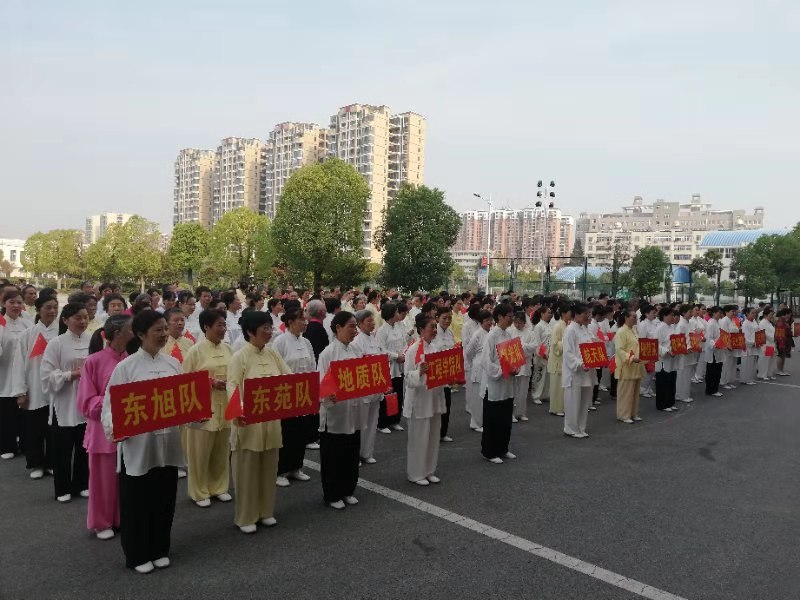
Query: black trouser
<point x="612" y="388"/>
<point x="339" y="455"/>
<point x="448" y="399"/>
<point x="10" y="426"/>
<point x="310" y="428"/>
<point x="665" y="388"/>
<point x="146" y="510"/>
<point x="69" y="459"/>
<point x="383" y="419"/>
<point x="293" y="451"/>
<point x="496" y="435"/>
<point x="37" y="444"/>
<point x="713" y="376"/>
<point x="596" y="388"/>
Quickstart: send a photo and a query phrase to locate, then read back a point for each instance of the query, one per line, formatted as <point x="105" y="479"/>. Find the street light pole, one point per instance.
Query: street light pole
<point x="488" y="236"/>
<point x="546" y="206"/>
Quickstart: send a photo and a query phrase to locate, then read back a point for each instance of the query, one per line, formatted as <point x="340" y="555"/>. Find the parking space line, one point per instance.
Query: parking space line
<point x="559" y="558"/>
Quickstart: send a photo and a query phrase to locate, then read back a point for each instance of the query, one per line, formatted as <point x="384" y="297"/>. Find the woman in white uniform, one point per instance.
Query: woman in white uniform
<point x="367" y="343"/>
<point x="522" y="382"/>
<point x="747" y="370"/>
<point x="577" y="380"/>
<point x="473" y="353"/>
<point x="767" y="365"/>
<point x="12" y="326"/>
<point x="542" y="336"/>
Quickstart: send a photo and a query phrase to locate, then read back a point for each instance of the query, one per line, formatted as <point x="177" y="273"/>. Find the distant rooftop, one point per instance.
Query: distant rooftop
<point x="737" y="238"/>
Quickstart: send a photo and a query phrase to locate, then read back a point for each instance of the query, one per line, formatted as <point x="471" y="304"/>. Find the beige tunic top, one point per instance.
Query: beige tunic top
<point x="214" y="358"/>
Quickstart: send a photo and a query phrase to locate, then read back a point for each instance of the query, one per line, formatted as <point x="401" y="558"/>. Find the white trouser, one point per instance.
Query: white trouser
<point x="767" y="365"/>
<point x="683" y="387"/>
<point x="423" y="447"/>
<point x="369" y="429"/>
<point x="700" y="372"/>
<point x="477" y="407"/>
<point x="728" y="369"/>
<point x="648" y="381"/>
<point x="747" y="370"/>
<point x="521" y="386"/>
<point x="577" y="400"/>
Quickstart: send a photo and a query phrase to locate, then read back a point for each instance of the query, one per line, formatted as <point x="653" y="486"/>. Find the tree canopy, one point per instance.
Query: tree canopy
<point x="646" y="276"/>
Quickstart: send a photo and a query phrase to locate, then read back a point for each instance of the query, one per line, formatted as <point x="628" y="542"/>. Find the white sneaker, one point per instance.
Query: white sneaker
<point x="591" y="407"/>
<point x="204" y="503"/>
<point x="637" y="419"/>
<point x="668" y="409"/>
<point x="248" y="528"/>
<point x="687" y="400"/>
<point x="537" y="401"/>
<point x="385" y="430"/>
<point x="559" y="414"/>
<point x="105" y="534"/>
<point x="510" y="455"/>
<point x="181" y="473"/>
<point x="269" y="522"/>
<point x="398" y="428"/>
<point x="446" y="438"/>
<point x="312" y="446"/>
<point x="717" y="394"/>
<point x="514" y="420"/>
<point x="161" y="563"/>
<point x="578" y="436"/>
<point x="37" y="474"/>
<point x="478" y="430"/>
<point x="145" y="568"/>
<point x="750" y="383"/>
<point x="351" y="500"/>
<point x="496" y="460"/>
<point x="300" y="476"/>
<point x="523" y="419"/>
<point x="281" y="481"/>
<point x="7" y="455"/>
<point x="226" y="497"/>
<point x="338" y="505"/>
<point x="603" y="388"/>
<point x="370" y="461"/>
<point x="65" y="498"/>
<point x="628" y="421"/>
<point x="434" y="479"/>
<point x="422" y="482"/>
<point x="84" y="493"/>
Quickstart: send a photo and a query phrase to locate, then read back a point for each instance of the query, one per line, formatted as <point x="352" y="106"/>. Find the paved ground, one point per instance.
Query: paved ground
<point x="701" y="504"/>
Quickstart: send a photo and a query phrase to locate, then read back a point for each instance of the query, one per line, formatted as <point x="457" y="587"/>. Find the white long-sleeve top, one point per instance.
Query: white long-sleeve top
<point x="26" y="373"/>
<point x="526" y="337"/>
<point x="684" y="327"/>
<point x="145" y="451"/>
<point x="444" y="340"/>
<point x="296" y="351"/>
<point x="394" y="341"/>
<point x="498" y="387"/>
<point x="572" y="372"/>
<point x="368" y="344"/>
<point x="749" y="329"/>
<point x="234" y="330"/>
<point x="66" y="352"/>
<point x="769" y="331"/>
<point x="343" y="416"/>
<point x="542" y="334"/>
<point x="647" y="328"/>
<point x="418" y="401"/>
<point x="9" y="336"/>
<point x="473" y="352"/>
<point x="192" y="325"/>
<point x="666" y="361"/>
<point x="712" y="353"/>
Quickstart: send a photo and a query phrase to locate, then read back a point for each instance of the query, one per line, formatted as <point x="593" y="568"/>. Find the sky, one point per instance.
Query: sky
<point x="609" y="99"/>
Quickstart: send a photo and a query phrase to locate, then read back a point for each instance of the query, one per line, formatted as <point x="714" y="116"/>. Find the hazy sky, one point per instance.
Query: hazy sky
<point x="610" y="99"/>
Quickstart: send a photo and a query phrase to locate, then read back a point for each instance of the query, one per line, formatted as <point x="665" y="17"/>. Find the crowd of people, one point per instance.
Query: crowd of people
<point x="58" y="363"/>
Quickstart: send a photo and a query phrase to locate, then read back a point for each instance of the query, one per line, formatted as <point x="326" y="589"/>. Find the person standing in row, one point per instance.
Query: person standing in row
<point x="424" y="408"/>
<point x="522" y="381"/>
<point x="747" y="369"/>
<point x="297" y="353"/>
<point x="318" y="336"/>
<point x="646" y="328"/>
<point x="542" y="336"/>
<point x="686" y="364"/>
<point x="103" y="507"/>
<point x="367" y="343"/>
<point x="178" y="344"/>
<point x="444" y="340"/>
<point x="393" y="339"/>
<point x="61" y="369"/>
<point x="783" y="340"/>
<point x="578" y="380"/>
<point x="147" y="463"/>
<point x="699" y="327"/>
<point x="255" y="446"/>
<point x="340" y="422"/>
<point x="713" y="355"/>
<point x="555" y="360"/>
<point x="27" y="384"/>
<point x="471" y="325"/>
<point x="767" y="365"/>
<point x="473" y="354"/>
<point x="207" y="443"/>
<point x="497" y="390"/>
<point x="12" y="326"/>
<point x="629" y="371"/>
<point x="667" y="367"/>
<point x="727" y="323"/>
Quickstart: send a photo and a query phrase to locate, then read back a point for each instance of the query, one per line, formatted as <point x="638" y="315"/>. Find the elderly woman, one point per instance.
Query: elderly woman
<point x="555" y="359"/>
<point x="578" y="380"/>
<point x="318" y="336"/>
<point x="103" y="509"/>
<point x="367" y="343"/>
<point x="472" y="354"/>
<point x="340" y="422"/>
<point x="542" y="337"/>
<point x="147" y="463"/>
<point x="12" y="326"/>
<point x="767" y="365"/>
<point x="207" y="443"/>
<point x="255" y="446"/>
<point x="522" y="382"/>
<point x="423" y="408"/>
<point x="629" y="370"/>
<point x="392" y="338"/>
<point x="298" y="354"/>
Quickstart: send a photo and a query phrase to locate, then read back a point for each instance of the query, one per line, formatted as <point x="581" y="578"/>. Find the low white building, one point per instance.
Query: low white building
<point x="12" y="252"/>
<point x="727" y="242"/>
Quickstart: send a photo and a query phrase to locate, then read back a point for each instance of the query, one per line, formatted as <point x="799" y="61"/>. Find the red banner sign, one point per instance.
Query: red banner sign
<point x="280" y="397"/>
<point x="738" y="342"/>
<point x="795" y="329"/>
<point x="153" y="404"/>
<point x="648" y="349"/>
<point x="359" y="377"/>
<point x="594" y="355"/>
<point x="677" y="344"/>
<point x="761" y="338"/>
<point x="445" y="367"/>
<point x="724" y="339"/>
<point x="695" y="341"/>
<point x="511" y="355"/>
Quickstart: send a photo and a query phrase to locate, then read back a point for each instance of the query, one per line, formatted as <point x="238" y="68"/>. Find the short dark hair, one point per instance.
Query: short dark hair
<point x="502" y="310"/>
<point x="110" y="298"/>
<point x="341" y="319"/>
<point x="252" y="320"/>
<point x="209" y="317"/>
<point x="70" y="309"/>
<point x="388" y="310"/>
<point x="172" y="311"/>
<point x="200" y="289"/>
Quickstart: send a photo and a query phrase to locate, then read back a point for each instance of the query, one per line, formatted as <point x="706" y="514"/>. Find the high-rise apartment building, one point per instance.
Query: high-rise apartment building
<point x="194" y="190"/>
<point x="288" y="147"/>
<point x="96" y="225"/>
<point x="386" y="149"/>
<point x="237" y="176"/>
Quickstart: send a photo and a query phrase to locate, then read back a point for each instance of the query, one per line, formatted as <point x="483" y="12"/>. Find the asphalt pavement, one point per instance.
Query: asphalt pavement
<point x="699" y="504"/>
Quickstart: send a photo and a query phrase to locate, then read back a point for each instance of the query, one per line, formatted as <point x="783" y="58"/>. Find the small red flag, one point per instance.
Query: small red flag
<point x="650" y="367"/>
<point x="391" y="405"/>
<point x="103" y="335"/>
<point x="176" y="353"/>
<point x="38" y="346"/>
<point x="234" y="408"/>
<point x="283" y="327"/>
<point x="769" y="351"/>
<point x="420" y="353"/>
<point x="542" y="350"/>
<point x="327" y="387"/>
<point x="601" y="335"/>
<point x="719" y="344"/>
<point x="2" y="321"/>
<point x="186" y="334"/>
<point x="612" y="365"/>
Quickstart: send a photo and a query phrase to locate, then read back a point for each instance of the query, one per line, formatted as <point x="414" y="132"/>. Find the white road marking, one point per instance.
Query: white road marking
<point x="791" y="385"/>
<point x="576" y="564"/>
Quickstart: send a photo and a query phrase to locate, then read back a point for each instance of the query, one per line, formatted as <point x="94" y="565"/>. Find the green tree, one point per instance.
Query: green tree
<point x="6" y="267"/>
<point x="67" y="253"/>
<point x="785" y="259"/>
<point x="577" y="255"/>
<point x="188" y="247"/>
<point x="37" y="255"/>
<point x="128" y="252"/>
<point x="711" y="265"/>
<point x="417" y="233"/>
<point x="754" y="267"/>
<point x="241" y="246"/>
<point x="319" y="219"/>
<point x="646" y="275"/>
<point x="620" y="259"/>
